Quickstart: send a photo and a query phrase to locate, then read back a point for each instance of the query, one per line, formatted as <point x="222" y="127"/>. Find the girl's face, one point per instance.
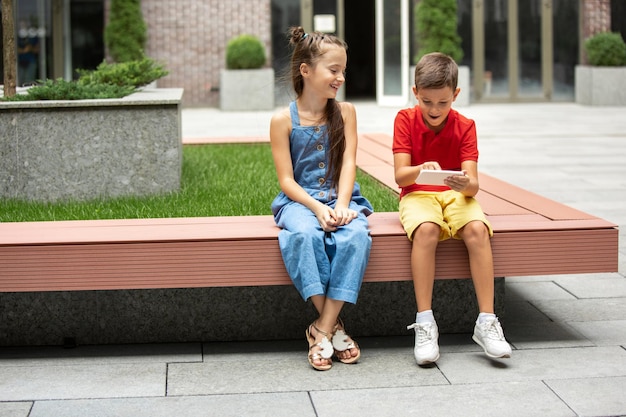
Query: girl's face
<point x="328" y="73"/>
<point x="435" y="104"/>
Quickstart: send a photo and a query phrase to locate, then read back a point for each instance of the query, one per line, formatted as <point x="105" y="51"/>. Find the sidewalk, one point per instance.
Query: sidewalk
<point x="568" y="332"/>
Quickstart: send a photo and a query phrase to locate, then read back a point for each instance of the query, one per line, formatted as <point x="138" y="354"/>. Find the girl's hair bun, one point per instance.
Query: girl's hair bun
<point x="296" y="34"/>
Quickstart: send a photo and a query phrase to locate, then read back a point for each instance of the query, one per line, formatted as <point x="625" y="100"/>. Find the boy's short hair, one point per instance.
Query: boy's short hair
<point x="436" y="70"/>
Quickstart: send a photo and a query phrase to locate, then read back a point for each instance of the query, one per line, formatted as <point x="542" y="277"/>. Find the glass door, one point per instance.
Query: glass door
<point x="513" y="50"/>
<point x="32" y="40"/>
<point x="392" y="52"/>
<point x="84" y="49"/>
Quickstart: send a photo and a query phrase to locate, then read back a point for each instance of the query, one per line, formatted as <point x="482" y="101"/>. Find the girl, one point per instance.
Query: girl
<point x="325" y="241"/>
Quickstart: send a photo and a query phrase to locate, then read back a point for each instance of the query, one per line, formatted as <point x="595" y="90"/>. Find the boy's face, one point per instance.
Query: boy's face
<point x="435" y="104"/>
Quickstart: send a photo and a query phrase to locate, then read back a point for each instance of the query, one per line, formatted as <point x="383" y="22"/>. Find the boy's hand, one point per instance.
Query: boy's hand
<point x="457" y="182"/>
<point x="431" y="165"/>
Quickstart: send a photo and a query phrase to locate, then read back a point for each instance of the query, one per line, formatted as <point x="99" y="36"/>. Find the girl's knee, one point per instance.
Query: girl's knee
<point x="357" y="238"/>
<point x="300" y="240"/>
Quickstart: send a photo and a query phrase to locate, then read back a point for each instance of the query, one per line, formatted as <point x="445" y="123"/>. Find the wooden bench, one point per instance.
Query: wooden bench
<point x="533" y="235"/>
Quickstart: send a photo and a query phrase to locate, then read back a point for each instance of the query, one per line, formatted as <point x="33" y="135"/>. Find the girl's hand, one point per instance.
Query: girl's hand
<point x="330" y="219"/>
<point x="326" y="218"/>
<point x="457" y="182"/>
<point x="344" y="215"/>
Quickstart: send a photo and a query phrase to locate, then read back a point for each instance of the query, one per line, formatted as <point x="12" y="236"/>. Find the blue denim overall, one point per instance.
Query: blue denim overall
<point x="318" y="262"/>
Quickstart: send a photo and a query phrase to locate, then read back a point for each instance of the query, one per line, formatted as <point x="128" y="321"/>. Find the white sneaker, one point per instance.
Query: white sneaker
<point x="426" y="342"/>
<point x="490" y="337"/>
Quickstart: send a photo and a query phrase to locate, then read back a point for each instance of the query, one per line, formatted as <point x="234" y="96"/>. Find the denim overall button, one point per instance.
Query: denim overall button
<point x="320" y="147"/>
<point x="321" y="165"/>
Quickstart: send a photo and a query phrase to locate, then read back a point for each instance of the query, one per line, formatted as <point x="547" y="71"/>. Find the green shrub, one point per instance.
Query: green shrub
<point x="133" y="73"/>
<point x="606" y="49"/>
<point x="245" y="52"/>
<point x="436" y="29"/>
<point x="107" y="81"/>
<point x="125" y="34"/>
<point x="71" y="90"/>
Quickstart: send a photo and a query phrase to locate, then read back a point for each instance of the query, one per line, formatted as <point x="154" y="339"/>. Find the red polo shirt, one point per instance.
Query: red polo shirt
<point x="456" y="143"/>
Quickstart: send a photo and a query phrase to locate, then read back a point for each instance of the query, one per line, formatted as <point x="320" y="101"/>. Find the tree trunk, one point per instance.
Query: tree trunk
<point x="8" y="42"/>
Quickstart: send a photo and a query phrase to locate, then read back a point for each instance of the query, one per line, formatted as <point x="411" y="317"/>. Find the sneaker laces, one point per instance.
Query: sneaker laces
<point x="423" y="332"/>
<point x="493" y="330"/>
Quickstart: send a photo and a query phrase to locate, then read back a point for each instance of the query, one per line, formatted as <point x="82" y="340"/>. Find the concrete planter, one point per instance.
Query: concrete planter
<point x="84" y="149"/>
<point x="250" y="89"/>
<point x="463" y="98"/>
<point x="600" y="86"/>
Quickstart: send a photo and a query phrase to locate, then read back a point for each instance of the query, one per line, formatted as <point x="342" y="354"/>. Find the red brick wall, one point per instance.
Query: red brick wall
<point x="190" y="37"/>
<point x="596" y="17"/>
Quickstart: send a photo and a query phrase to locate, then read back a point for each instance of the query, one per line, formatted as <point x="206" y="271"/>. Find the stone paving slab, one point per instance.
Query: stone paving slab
<point x="599" y="286"/>
<point x="24" y="383"/>
<point x="541" y="290"/>
<point x="290" y="372"/>
<point x="510" y="399"/>
<point x="546" y="335"/>
<point x="603" y="333"/>
<point x="261" y="405"/>
<point x="520" y="311"/>
<point x="211" y="122"/>
<point x="592" y="396"/>
<point x="15" y="409"/>
<point x="535" y="365"/>
<point x="596" y="309"/>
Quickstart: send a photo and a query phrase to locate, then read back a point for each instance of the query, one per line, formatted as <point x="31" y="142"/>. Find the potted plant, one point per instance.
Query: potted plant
<point x="603" y="81"/>
<point x="245" y="84"/>
<point x="435" y="30"/>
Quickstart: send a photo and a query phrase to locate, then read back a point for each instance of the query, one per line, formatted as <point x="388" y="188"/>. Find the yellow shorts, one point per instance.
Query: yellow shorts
<point x="451" y="210"/>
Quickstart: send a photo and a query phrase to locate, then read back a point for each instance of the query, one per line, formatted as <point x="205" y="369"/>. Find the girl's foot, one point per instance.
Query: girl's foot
<point x="346" y="349"/>
<point x="320" y="348"/>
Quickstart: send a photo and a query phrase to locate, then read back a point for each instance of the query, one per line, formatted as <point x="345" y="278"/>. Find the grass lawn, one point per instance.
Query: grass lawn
<point x="217" y="180"/>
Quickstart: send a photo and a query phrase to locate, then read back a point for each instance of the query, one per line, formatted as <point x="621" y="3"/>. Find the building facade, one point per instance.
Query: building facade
<point x="516" y="50"/>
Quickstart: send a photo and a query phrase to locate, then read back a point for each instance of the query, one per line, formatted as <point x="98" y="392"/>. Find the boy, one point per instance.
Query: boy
<point x="433" y="136"/>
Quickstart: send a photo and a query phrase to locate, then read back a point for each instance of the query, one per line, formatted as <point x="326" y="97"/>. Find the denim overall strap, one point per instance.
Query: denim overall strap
<point x="293" y="110"/>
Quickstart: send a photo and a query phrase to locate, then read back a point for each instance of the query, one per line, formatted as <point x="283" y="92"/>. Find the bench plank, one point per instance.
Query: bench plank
<point x="103" y="261"/>
<point x="528" y="200"/>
